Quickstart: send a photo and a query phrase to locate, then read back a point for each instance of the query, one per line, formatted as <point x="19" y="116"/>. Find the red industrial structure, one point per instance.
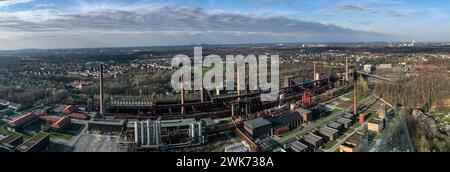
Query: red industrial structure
<point x="306" y="99"/>
<point x="79" y="116"/>
<point x="61" y="123"/>
<point x="362" y="118"/>
<point x="24" y="120"/>
<point x="69" y="109"/>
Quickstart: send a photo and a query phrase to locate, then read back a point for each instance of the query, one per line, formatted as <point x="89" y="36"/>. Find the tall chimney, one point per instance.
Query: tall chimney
<point x="202" y="95"/>
<point x="355" y="103"/>
<point x="238" y="86"/>
<point x="182" y="94"/>
<point x="102" y="96"/>
<point x="346" y="69"/>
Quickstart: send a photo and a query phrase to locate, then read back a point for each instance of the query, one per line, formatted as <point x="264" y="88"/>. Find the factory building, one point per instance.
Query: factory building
<point x="330" y="133"/>
<point x="375" y="125"/>
<point x="350" y="117"/>
<point x="6" y="148"/>
<point x="296" y="146"/>
<point x="355" y="143"/>
<point x="13" y="140"/>
<point x="306" y="114"/>
<point x="314" y="141"/>
<point x="346" y="122"/>
<point x="23" y="121"/>
<point x="258" y="128"/>
<point x="337" y="126"/>
<point x="61" y="123"/>
<point x="68" y="109"/>
<point x="106" y="127"/>
<point x="38" y="143"/>
<point x="285" y="123"/>
<point x="161" y="135"/>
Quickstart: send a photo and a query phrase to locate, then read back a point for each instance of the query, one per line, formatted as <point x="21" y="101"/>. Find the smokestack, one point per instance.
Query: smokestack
<point x="238" y="86"/>
<point x="102" y="96"/>
<point x="202" y="96"/>
<point x="182" y="94"/>
<point x="355" y="103"/>
<point x="346" y="69"/>
<point x="355" y="108"/>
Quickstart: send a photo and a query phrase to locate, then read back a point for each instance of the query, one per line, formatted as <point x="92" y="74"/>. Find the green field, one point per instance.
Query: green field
<point x="330" y="144"/>
<point x="4" y="130"/>
<point x="60" y="135"/>
<point x="350" y="96"/>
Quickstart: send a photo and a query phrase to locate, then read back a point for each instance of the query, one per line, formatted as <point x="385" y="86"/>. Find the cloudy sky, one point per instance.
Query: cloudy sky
<point x="111" y="23"/>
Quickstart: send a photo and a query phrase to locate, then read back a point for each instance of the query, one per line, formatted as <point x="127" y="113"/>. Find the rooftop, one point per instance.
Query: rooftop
<point x="313" y="137"/>
<point x="343" y="120"/>
<point x="31" y="142"/>
<point x="286" y="118"/>
<point x="355" y="139"/>
<point x="11" y="138"/>
<point x="329" y="130"/>
<point x="376" y="121"/>
<point x="107" y="122"/>
<point x="334" y="125"/>
<point x="257" y="123"/>
<point x="297" y="146"/>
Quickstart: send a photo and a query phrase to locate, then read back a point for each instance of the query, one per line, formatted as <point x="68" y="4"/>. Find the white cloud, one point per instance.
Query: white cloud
<point x="161" y="25"/>
<point x="6" y="3"/>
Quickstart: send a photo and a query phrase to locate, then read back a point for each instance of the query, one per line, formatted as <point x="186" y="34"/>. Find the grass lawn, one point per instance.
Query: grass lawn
<point x="75" y="127"/>
<point x="350" y="130"/>
<point x="344" y="105"/>
<point x="330" y="144"/>
<point x="359" y="97"/>
<point x="60" y="135"/>
<point x="4" y="130"/>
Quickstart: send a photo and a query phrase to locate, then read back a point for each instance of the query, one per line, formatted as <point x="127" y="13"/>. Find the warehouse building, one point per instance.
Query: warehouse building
<point x="346" y="122"/>
<point x="6" y="148"/>
<point x="306" y="114"/>
<point x="23" y="121"/>
<point x="38" y="143"/>
<point x="330" y="133"/>
<point x="106" y="127"/>
<point x="285" y="123"/>
<point x="61" y="123"/>
<point x="375" y="125"/>
<point x="14" y="140"/>
<point x="354" y="144"/>
<point x="314" y="140"/>
<point x="336" y="126"/>
<point x="258" y="128"/>
<point x="296" y="146"/>
<point x="350" y="117"/>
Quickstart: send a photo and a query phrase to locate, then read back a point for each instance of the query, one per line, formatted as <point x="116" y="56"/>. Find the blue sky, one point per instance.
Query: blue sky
<point x="105" y="23"/>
